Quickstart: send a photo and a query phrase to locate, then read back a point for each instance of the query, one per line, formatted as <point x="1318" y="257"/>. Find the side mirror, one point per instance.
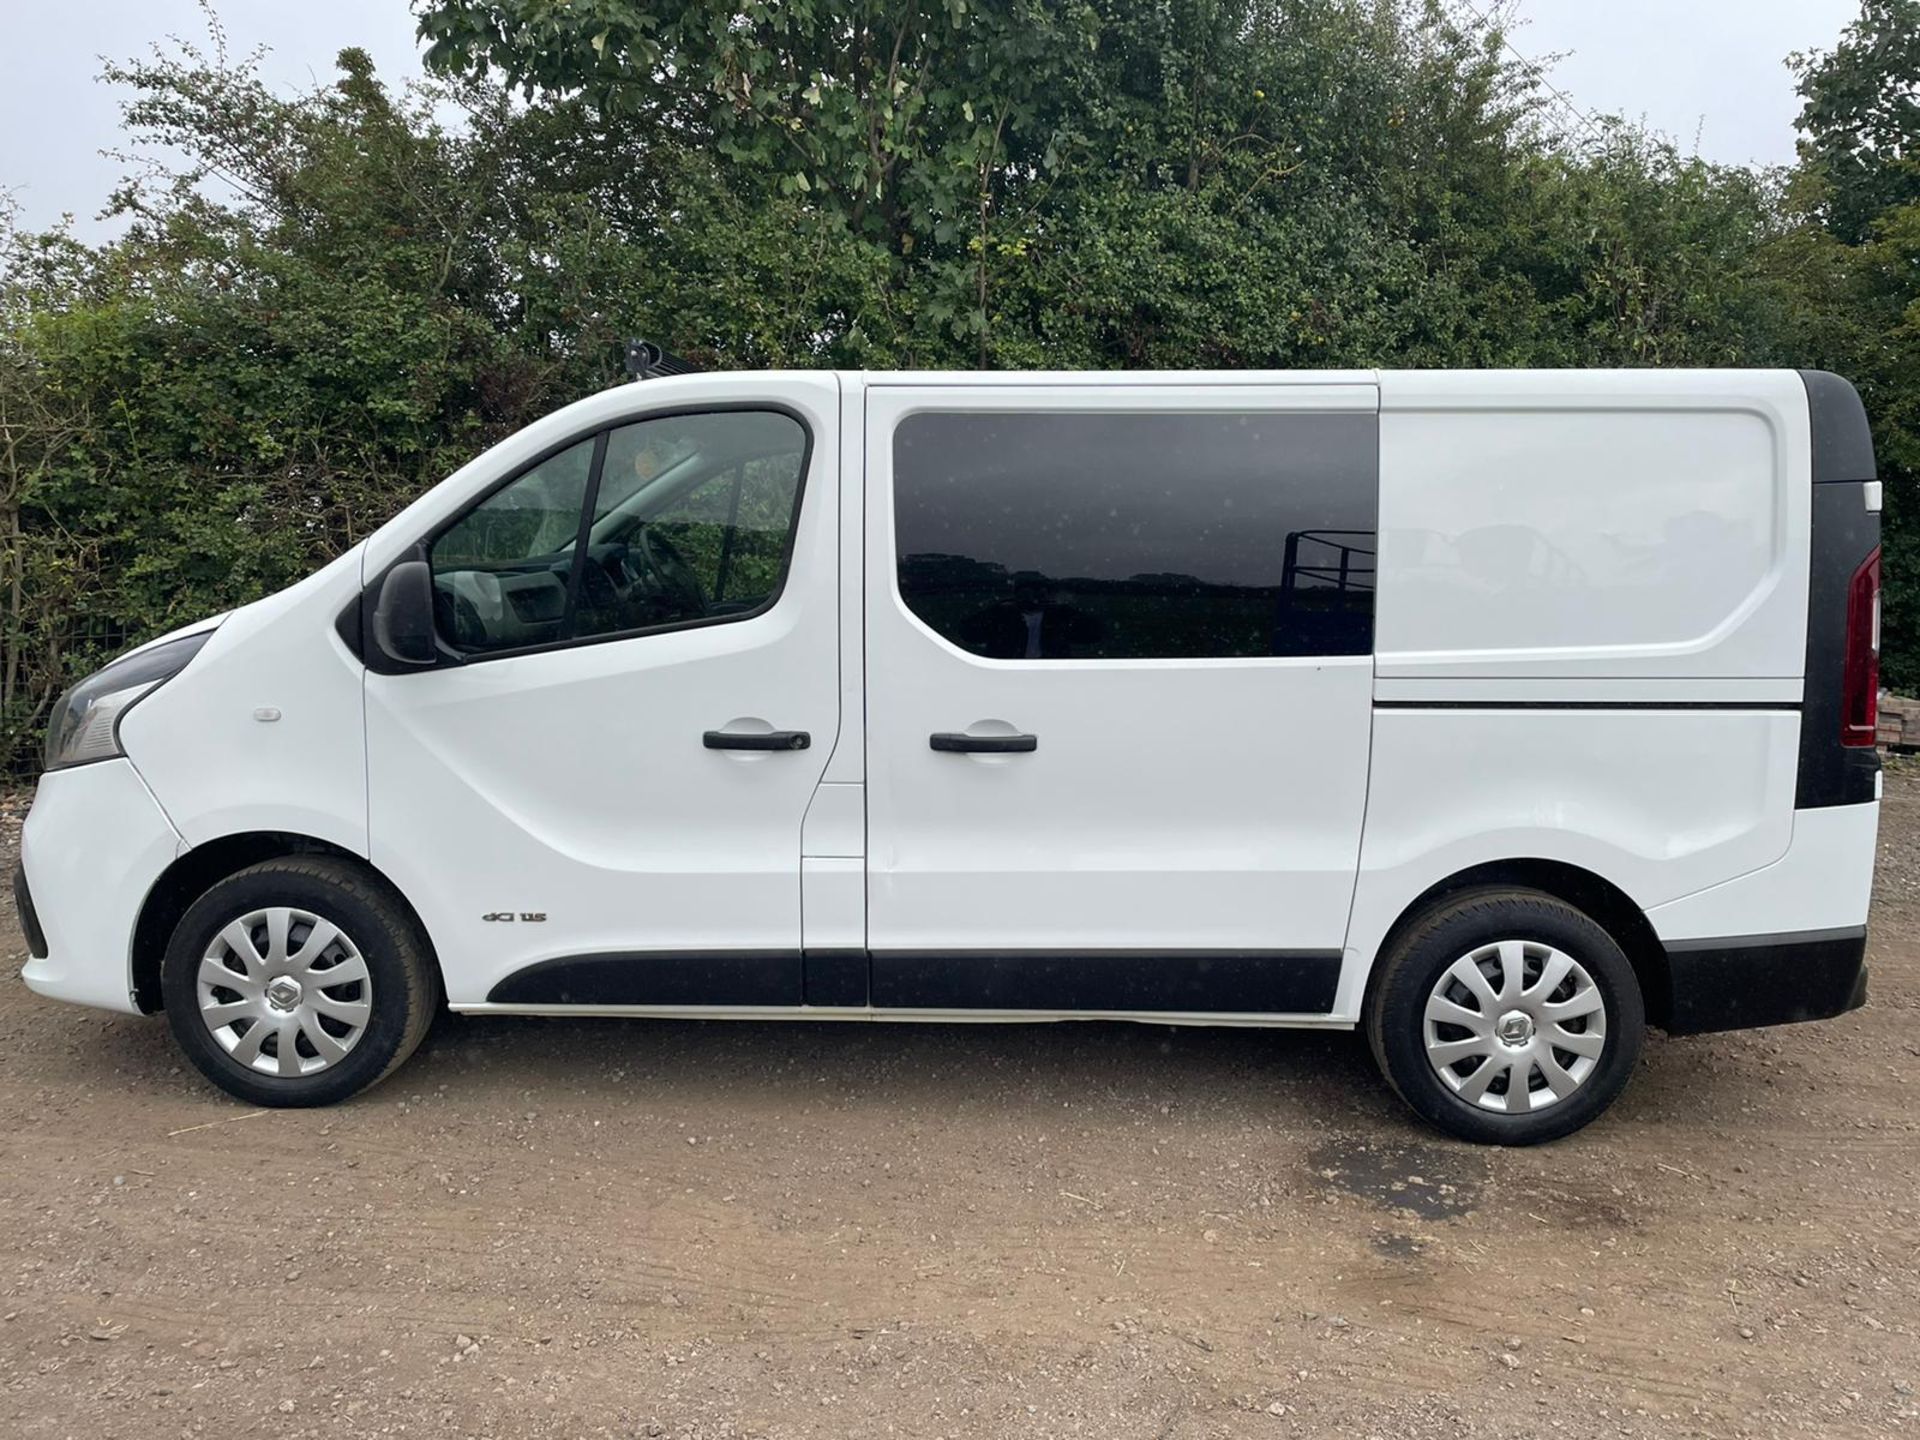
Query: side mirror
<point x="402" y="628"/>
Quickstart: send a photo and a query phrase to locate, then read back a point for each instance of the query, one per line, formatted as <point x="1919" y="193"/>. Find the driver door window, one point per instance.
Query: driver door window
<point x="689" y="520"/>
<point x="733" y="531"/>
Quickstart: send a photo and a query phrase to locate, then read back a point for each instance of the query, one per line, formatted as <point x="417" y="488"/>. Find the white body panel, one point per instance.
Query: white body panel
<point x="218" y="769"/>
<point x="1589" y="649"/>
<point x="1824" y="881"/>
<point x="1585" y="540"/>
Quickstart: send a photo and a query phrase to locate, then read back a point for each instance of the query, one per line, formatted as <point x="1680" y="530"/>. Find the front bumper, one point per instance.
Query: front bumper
<point x="1734" y="984"/>
<point x="94" y="843"/>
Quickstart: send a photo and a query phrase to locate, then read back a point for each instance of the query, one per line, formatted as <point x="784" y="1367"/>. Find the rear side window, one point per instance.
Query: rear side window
<point x="1029" y="536"/>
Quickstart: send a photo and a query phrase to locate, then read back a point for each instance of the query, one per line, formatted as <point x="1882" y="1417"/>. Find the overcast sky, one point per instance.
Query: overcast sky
<point x="1709" y="74"/>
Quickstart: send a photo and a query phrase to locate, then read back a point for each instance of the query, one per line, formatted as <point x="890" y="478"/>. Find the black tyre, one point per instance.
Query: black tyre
<point x="298" y="981"/>
<point x="1506" y="1017"/>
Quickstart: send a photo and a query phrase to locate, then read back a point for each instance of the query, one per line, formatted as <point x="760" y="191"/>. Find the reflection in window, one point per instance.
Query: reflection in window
<point x="689" y="520"/>
<point x="535" y="515"/>
<point x="694" y="519"/>
<point x="1108" y="536"/>
<point x="500" y="571"/>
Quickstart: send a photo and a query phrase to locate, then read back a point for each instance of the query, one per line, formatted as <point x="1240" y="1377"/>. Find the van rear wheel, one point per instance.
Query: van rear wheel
<point x="1506" y="1017"/>
<point x="298" y="982"/>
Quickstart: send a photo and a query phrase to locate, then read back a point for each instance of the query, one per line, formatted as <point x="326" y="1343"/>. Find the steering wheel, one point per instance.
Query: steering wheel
<point x="678" y="582"/>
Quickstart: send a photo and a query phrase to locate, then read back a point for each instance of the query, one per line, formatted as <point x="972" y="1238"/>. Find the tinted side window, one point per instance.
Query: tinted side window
<point x="1133" y="536"/>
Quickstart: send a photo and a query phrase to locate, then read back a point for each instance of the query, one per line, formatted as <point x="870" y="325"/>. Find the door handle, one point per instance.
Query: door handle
<point x="956" y="743"/>
<point x="756" y="740"/>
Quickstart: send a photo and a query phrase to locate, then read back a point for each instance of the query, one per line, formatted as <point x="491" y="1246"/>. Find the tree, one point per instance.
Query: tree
<point x="884" y="109"/>
<point x="1861" y="119"/>
<point x="1856" y="259"/>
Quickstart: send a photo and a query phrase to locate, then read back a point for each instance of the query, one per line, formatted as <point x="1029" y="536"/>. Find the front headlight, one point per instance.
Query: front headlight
<point x="85" y="722"/>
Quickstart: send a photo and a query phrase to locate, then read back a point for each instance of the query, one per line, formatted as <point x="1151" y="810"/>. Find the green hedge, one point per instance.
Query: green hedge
<point x="340" y="298"/>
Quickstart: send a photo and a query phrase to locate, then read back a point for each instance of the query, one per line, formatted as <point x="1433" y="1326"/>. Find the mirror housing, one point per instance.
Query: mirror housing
<point x="400" y="628"/>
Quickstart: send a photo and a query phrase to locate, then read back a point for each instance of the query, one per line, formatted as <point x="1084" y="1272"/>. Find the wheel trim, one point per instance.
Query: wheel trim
<point x="284" y="991"/>
<point x="1515" y="1026"/>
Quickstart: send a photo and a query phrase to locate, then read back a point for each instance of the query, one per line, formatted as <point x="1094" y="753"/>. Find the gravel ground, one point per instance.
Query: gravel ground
<point x="734" y="1230"/>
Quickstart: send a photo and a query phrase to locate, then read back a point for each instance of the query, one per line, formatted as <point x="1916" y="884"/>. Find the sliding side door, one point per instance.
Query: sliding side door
<point x="1119" y="659"/>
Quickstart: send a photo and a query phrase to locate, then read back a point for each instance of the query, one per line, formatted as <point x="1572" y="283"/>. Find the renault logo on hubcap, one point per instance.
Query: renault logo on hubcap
<point x="283" y="993"/>
<point x="1515" y="1028"/>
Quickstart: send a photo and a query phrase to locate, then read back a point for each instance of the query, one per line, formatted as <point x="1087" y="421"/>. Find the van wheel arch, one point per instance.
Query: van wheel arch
<point x="204" y="866"/>
<point x="1609" y="906"/>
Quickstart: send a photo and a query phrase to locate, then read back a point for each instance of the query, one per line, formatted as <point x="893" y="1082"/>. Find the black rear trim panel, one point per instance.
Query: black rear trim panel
<point x="1842" y="439"/>
<point x="1737" y="982"/>
<point x="1845" y="533"/>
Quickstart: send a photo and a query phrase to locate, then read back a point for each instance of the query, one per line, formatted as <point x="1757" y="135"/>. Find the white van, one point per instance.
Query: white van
<point x="1499" y="714"/>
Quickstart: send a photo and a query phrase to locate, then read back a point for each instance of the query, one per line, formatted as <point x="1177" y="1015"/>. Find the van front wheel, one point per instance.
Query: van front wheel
<point x="298" y="982"/>
<point x="1506" y="1017"/>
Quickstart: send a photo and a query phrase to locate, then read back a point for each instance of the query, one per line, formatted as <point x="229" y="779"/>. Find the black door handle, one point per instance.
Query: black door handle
<point x="960" y="744"/>
<point x="756" y="740"/>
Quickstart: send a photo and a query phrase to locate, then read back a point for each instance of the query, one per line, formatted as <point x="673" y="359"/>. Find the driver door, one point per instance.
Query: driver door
<point x="597" y="799"/>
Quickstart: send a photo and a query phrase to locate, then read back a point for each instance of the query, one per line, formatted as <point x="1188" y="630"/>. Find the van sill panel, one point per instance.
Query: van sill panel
<point x="1300" y="982"/>
<point x="1033" y="983"/>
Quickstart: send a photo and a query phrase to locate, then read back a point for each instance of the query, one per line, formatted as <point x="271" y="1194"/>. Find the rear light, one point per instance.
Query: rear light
<point x="1860" y="680"/>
